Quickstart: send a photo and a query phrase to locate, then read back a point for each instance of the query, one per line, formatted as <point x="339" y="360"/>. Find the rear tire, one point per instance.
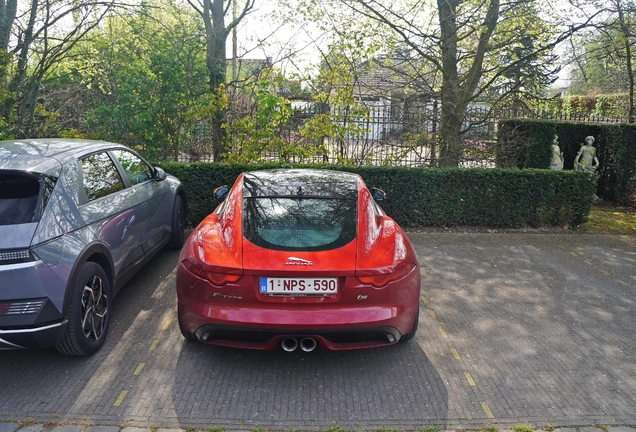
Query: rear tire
<point x="178" y="224"/>
<point x="89" y="314"/>
<point x="410" y="335"/>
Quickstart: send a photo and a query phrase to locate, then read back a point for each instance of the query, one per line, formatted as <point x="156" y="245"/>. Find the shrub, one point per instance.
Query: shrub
<point x="524" y="143"/>
<point x="418" y="197"/>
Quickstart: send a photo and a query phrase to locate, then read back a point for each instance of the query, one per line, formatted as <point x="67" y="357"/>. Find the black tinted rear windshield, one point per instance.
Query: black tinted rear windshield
<point x="23" y="197"/>
<point x="299" y="223"/>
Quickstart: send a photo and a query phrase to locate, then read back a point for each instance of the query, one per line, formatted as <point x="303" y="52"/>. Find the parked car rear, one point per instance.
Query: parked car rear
<point x="78" y="218"/>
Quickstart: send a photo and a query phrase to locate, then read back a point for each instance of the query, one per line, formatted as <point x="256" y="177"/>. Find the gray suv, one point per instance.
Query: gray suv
<point x="77" y="219"/>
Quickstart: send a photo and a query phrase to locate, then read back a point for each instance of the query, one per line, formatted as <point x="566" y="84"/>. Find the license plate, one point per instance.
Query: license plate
<point x="299" y="286"/>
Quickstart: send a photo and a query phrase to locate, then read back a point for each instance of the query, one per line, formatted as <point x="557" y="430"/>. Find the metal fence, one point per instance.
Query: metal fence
<point x="393" y="135"/>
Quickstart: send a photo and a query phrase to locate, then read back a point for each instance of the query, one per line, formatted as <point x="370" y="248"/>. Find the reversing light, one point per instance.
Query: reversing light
<point x="217" y="277"/>
<point x="380" y="280"/>
<point x="16" y="256"/>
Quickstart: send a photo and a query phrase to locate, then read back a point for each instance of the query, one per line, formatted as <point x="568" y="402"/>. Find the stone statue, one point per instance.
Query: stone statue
<point x="586" y="160"/>
<point x="557" y="155"/>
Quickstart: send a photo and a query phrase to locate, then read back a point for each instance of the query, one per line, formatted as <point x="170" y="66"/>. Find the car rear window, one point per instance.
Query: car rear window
<point x="22" y="197"/>
<point x="299" y="223"/>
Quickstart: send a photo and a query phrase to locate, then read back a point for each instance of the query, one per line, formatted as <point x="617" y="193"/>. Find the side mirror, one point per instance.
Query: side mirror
<point x="378" y="194"/>
<point x="160" y="174"/>
<point x="221" y="192"/>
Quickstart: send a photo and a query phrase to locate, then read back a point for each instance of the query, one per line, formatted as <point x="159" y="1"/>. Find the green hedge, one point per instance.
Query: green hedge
<point x="419" y="197"/>
<point x="524" y="143"/>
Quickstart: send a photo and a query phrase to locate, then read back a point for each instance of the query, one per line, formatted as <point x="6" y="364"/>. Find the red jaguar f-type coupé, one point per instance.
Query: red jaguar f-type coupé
<point x="298" y="258"/>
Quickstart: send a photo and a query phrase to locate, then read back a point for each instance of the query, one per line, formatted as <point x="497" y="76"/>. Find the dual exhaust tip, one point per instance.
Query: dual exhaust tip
<point x="307" y="344"/>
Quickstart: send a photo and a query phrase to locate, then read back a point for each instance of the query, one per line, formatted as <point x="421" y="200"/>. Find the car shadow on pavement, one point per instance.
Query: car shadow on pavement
<point x="393" y="386"/>
<point x="148" y="375"/>
<point x="48" y="386"/>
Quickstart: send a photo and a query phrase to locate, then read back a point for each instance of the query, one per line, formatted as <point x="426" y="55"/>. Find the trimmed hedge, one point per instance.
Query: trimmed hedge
<point x="524" y="143"/>
<point x="419" y="197"/>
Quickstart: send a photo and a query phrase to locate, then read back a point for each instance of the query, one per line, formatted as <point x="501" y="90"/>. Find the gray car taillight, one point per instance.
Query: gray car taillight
<point x="16" y="256"/>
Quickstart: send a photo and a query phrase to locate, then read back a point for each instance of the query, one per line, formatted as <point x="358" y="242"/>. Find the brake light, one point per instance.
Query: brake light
<point x="217" y="275"/>
<point x="380" y="280"/>
<point x="16" y="256"/>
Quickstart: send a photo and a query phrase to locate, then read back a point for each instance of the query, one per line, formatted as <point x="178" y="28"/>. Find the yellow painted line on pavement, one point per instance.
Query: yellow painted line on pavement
<point x="443" y="332"/>
<point x="487" y="410"/>
<point x="469" y="378"/>
<point x="154" y="345"/>
<point x="432" y="312"/>
<point x="166" y="325"/>
<point x="455" y="354"/>
<point x="589" y="262"/>
<point x="139" y="369"/>
<point x="424" y="300"/>
<point x="121" y="398"/>
<point x="605" y="272"/>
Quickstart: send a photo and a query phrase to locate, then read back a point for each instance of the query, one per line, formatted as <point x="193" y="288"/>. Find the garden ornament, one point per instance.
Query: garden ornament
<point x="557" y="155"/>
<point x="586" y="160"/>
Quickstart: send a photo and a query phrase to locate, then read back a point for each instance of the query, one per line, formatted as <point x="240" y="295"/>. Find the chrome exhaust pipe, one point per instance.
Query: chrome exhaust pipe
<point x="289" y="344"/>
<point x="308" y="344"/>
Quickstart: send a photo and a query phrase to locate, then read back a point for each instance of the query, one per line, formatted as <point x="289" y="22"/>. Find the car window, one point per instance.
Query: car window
<point x="299" y="224"/>
<point x="20" y="198"/>
<point x="136" y="169"/>
<point x="101" y="178"/>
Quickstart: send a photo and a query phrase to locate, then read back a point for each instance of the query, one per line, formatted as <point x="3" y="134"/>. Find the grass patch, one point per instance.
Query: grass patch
<point x="523" y="428"/>
<point x="609" y="220"/>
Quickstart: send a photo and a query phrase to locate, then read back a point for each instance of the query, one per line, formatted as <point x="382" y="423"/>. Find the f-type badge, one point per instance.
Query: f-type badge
<point x="298" y="262"/>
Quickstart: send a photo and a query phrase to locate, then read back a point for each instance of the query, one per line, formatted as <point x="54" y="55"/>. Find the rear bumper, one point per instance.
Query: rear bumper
<point x="31" y="302"/>
<point x="268" y="339"/>
<point x="32" y="338"/>
<point x="264" y="329"/>
<point x="238" y="315"/>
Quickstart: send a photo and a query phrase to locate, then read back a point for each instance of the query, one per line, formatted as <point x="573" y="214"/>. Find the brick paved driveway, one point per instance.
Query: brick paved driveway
<point x="514" y="328"/>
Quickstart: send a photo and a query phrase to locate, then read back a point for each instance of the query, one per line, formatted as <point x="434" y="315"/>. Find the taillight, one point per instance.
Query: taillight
<point x="217" y="275"/>
<point x="380" y="280"/>
<point x="16" y="256"/>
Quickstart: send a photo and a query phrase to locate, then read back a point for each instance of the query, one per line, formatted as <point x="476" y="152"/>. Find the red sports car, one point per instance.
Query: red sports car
<point x="298" y="258"/>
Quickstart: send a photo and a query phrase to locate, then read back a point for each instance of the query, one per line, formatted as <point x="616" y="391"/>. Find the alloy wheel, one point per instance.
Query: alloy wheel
<point x="94" y="308"/>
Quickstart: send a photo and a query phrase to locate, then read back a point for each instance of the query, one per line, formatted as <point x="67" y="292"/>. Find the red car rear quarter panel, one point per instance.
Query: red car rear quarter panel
<point x="382" y="244"/>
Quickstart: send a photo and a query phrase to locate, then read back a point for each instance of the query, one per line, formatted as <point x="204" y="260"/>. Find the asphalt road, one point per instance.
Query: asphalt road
<point x="514" y="328"/>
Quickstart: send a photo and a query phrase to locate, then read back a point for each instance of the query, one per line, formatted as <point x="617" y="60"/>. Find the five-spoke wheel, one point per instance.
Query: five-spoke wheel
<point x="89" y="313"/>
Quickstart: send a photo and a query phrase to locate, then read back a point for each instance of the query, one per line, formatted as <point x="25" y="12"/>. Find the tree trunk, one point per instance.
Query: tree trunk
<point x="457" y="92"/>
<point x="8" y="10"/>
<point x="628" y="54"/>
<point x="216" y="36"/>
<point x="451" y="142"/>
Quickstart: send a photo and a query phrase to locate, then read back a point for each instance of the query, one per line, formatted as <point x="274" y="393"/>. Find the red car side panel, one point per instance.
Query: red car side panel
<point x="381" y="242"/>
<point x="218" y="240"/>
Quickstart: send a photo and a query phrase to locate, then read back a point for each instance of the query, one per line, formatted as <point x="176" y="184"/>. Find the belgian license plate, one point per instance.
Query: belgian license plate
<point x="299" y="286"/>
